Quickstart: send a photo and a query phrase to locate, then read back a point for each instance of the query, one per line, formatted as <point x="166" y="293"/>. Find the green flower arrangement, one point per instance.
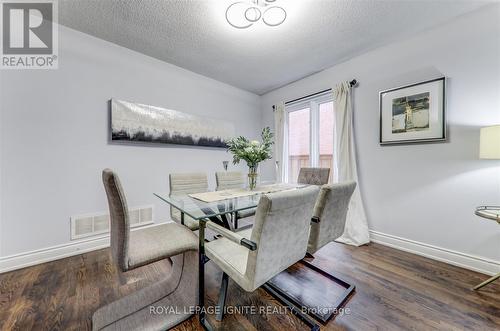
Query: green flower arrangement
<point x="252" y="152"/>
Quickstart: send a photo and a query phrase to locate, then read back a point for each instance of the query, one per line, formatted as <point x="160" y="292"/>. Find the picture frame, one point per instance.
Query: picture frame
<point x="414" y="113"/>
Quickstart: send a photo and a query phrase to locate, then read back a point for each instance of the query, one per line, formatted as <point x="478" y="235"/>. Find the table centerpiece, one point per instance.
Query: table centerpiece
<point x="252" y="152"/>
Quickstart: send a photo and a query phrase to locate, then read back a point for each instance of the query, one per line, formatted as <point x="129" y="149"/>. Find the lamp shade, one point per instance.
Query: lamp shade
<point x="490" y="142"/>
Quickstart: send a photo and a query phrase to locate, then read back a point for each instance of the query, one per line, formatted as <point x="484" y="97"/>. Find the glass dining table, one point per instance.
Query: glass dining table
<point x="204" y="211"/>
<point x="222" y="212"/>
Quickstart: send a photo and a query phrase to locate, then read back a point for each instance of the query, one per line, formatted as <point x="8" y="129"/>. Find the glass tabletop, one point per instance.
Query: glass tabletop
<point x="198" y="209"/>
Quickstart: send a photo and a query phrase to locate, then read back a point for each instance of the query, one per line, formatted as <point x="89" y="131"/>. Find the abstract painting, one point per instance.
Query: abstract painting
<point x="134" y="122"/>
<point x="410" y="113"/>
<point x="413" y="113"/>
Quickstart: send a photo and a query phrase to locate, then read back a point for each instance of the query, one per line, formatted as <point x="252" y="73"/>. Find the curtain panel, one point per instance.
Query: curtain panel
<point x="356" y="229"/>
<point x="279" y="140"/>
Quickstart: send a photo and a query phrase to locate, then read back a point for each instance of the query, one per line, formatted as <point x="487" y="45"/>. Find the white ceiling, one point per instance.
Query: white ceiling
<point x="317" y="34"/>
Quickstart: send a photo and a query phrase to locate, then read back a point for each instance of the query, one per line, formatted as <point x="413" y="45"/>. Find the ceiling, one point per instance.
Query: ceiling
<point x="317" y="34"/>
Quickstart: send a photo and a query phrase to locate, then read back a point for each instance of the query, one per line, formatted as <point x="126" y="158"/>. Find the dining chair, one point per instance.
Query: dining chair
<point x="226" y="180"/>
<point x="277" y="240"/>
<point x="314" y="176"/>
<point x="186" y="183"/>
<point x="133" y="249"/>
<point x="329" y="214"/>
<point x="327" y="224"/>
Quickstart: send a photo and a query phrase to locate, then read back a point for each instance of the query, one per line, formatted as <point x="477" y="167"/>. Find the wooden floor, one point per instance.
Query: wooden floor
<point x="395" y="291"/>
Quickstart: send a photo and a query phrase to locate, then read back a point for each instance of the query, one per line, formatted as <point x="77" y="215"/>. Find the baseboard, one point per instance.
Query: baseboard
<point x="471" y="262"/>
<point x="27" y="259"/>
<point x="467" y="261"/>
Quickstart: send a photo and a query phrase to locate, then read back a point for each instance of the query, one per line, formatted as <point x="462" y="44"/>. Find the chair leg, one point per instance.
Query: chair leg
<point x="222" y="297"/>
<point x="486" y="282"/>
<point x="297" y="307"/>
<point x="235" y="220"/>
<point x="281" y="296"/>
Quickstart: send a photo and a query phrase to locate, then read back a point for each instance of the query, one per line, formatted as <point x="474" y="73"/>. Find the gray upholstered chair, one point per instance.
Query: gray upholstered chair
<point x="186" y="183"/>
<point x="277" y="240"/>
<point x="329" y="215"/>
<point x="327" y="224"/>
<point x="226" y="180"/>
<point x="314" y="176"/>
<point x="132" y="249"/>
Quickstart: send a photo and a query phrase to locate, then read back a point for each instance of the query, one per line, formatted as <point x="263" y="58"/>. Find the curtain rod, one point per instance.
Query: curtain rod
<point x="353" y="83"/>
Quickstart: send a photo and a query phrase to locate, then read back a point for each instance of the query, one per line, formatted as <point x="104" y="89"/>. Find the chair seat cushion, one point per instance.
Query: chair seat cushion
<point x="190" y="222"/>
<point x="159" y="242"/>
<point x="246" y="213"/>
<point x="230" y="257"/>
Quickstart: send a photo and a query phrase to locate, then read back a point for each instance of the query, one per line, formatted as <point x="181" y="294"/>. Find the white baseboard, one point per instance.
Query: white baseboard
<point x="27" y="259"/>
<point x="471" y="262"/>
<point x="475" y="263"/>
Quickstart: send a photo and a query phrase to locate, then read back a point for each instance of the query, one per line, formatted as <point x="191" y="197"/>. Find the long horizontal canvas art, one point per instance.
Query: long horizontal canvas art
<point x="134" y="122"/>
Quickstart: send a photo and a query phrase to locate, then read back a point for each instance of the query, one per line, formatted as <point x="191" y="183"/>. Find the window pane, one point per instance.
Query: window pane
<point x="326" y="137"/>
<point x="298" y="142"/>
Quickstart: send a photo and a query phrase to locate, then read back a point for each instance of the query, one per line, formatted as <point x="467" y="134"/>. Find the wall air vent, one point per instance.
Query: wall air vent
<point x="89" y="225"/>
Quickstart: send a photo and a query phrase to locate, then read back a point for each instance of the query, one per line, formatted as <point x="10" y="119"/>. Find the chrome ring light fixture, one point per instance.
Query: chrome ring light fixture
<point x="243" y="14"/>
<point x="253" y="14"/>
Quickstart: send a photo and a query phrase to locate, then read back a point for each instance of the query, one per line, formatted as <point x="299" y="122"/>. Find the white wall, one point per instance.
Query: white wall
<point x="54" y="136"/>
<point x="1" y="112"/>
<point x="426" y="193"/>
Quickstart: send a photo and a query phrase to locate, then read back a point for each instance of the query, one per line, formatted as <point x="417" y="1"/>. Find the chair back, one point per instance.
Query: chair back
<point x="229" y="180"/>
<point x="187" y="183"/>
<point x="281" y="231"/>
<point x="330" y="213"/>
<point x="314" y="176"/>
<point x="119" y="218"/>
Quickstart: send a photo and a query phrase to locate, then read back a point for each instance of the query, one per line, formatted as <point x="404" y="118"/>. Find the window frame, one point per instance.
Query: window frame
<point x="313" y="104"/>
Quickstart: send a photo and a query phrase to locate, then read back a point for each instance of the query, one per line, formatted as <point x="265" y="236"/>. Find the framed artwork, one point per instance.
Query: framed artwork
<point x="413" y="113"/>
<point x="138" y="123"/>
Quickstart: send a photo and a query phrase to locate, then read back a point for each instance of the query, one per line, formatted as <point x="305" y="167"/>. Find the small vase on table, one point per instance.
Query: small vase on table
<point x="253" y="152"/>
<point x="252" y="176"/>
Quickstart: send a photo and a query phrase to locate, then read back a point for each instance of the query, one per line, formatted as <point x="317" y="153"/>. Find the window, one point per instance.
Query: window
<point x="309" y="135"/>
<point x="299" y="142"/>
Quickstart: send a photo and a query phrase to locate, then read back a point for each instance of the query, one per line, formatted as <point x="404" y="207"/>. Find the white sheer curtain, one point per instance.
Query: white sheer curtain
<point x="279" y="140"/>
<point x="356" y="229"/>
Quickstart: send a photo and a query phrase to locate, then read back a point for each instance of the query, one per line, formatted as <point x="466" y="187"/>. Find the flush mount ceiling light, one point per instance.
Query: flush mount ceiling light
<point x="243" y="14"/>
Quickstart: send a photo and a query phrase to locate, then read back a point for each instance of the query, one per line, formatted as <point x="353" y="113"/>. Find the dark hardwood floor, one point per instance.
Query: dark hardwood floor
<point x="395" y="290"/>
